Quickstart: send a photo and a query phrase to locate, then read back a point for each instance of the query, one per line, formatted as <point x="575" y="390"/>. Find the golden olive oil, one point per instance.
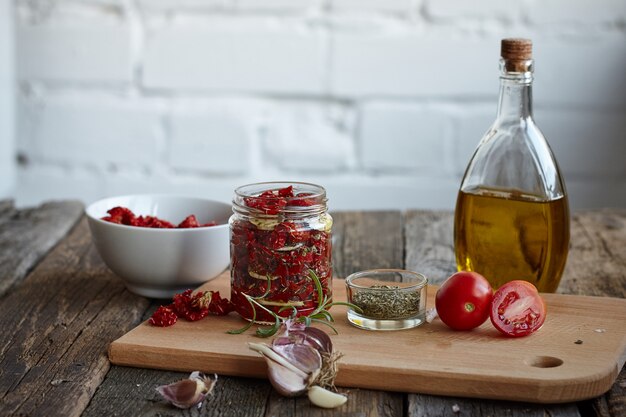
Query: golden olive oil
<point x="508" y="235"/>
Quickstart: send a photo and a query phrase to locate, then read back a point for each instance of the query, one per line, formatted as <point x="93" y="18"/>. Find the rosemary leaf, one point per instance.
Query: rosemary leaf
<point x="269" y="331"/>
<point x="249" y="324"/>
<point x="324" y="322"/>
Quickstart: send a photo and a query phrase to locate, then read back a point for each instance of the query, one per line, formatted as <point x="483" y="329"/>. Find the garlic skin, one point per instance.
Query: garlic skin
<point x="289" y="367"/>
<point x="188" y="392"/>
<point x="301" y="357"/>
<point x="326" y="399"/>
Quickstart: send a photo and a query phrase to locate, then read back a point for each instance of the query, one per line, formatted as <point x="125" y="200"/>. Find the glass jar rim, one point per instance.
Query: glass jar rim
<point x="421" y="279"/>
<point x="271" y="185"/>
<point x="315" y="192"/>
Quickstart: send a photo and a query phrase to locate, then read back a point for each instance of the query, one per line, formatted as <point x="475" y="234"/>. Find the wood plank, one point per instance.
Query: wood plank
<point x="427" y="405"/>
<point x="429" y="247"/>
<point x="361" y="240"/>
<point x="64" y="315"/>
<point x="128" y="392"/>
<point x="430" y="250"/>
<point x="429" y="359"/>
<point x="26" y="235"/>
<point x="597" y="265"/>
<point x="367" y="240"/>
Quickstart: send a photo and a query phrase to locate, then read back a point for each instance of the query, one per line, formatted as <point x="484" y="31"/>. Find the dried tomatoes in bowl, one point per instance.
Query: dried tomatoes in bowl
<point x="160" y="262"/>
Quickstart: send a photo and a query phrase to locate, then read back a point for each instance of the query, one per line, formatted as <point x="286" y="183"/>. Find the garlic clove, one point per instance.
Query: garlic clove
<point x="269" y="354"/>
<point x="285" y="381"/>
<point x="319" y="339"/>
<point x="188" y="392"/>
<point x="303" y="357"/>
<point x="324" y="398"/>
<point x="289" y="367"/>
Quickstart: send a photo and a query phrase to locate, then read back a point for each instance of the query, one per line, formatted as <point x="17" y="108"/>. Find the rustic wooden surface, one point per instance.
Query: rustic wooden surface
<point x="27" y="235"/>
<point x="441" y="368"/>
<point x="65" y="312"/>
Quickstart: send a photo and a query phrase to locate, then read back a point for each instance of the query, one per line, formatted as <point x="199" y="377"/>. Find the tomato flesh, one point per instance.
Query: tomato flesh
<point x="463" y="301"/>
<point x="517" y="309"/>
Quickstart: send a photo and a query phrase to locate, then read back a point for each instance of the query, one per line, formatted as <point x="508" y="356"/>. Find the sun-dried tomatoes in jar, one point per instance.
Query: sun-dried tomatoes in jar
<point x="279" y="234"/>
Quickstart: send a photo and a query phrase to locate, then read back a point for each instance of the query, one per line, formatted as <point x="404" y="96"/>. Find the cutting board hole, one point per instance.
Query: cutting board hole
<point x="544" y="362"/>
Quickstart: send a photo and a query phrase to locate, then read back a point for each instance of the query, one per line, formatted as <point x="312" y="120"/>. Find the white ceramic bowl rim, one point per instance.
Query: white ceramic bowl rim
<point x="91" y="208"/>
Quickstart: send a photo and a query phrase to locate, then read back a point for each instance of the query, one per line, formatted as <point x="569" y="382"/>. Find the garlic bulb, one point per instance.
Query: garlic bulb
<point x="302" y="359"/>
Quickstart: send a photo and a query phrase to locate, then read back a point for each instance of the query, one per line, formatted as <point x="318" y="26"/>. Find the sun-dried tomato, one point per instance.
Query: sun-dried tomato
<point x="284" y="252"/>
<point x="163" y="317"/>
<point x="192" y="307"/>
<point x="220" y="306"/>
<point x="122" y="215"/>
<point x="191" y="222"/>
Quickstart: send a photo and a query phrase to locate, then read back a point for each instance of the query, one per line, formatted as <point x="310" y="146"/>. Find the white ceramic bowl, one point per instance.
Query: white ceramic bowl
<point x="161" y="262"/>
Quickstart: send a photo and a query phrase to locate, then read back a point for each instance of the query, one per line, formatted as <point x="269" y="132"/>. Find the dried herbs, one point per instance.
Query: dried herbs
<point x="387" y="302"/>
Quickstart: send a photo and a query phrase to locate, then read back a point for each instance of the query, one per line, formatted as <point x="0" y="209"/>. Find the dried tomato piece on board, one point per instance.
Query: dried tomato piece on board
<point x="220" y="306"/>
<point x="187" y="306"/>
<point x="164" y="316"/>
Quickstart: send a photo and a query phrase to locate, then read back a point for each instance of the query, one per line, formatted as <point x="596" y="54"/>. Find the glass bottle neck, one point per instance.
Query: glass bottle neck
<point x="515" y="101"/>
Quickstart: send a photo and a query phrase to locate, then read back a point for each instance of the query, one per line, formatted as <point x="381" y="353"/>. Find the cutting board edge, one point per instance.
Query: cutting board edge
<point x="438" y="383"/>
<point x="148" y="358"/>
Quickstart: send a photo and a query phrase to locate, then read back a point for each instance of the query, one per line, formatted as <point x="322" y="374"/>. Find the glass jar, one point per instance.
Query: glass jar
<point x="280" y="235"/>
<point x="388" y="299"/>
<point x="512" y="216"/>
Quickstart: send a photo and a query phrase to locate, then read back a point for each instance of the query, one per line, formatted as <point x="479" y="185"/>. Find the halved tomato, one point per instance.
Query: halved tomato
<point x="517" y="309"/>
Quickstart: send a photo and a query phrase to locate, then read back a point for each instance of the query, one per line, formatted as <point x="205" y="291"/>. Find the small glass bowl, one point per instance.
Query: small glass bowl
<point x="390" y="299"/>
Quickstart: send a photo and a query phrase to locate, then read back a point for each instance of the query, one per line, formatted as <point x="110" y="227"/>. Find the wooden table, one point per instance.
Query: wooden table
<point x="60" y="307"/>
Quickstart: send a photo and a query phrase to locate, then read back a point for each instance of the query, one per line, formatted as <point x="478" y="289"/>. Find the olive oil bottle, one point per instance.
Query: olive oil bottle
<point x="512" y="215"/>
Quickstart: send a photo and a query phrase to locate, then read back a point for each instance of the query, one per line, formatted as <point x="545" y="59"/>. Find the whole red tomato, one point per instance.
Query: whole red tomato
<point x="464" y="300"/>
<point x="517" y="309"/>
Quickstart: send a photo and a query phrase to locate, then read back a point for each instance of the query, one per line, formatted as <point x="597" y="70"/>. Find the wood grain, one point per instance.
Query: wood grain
<point x="367" y="240"/>
<point x="53" y="346"/>
<point x="429" y="246"/>
<point x="26" y="235"/>
<point x="596" y="265"/>
<point x="68" y="341"/>
<point x="429" y="359"/>
<point x="128" y="392"/>
<point x="361" y="240"/>
<point x="430" y="250"/>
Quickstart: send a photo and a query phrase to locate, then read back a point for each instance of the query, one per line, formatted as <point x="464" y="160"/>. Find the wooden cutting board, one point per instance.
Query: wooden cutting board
<point x="576" y="355"/>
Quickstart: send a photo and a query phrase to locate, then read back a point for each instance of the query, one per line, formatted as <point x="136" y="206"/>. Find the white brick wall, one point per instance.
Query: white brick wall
<point x="7" y="112"/>
<point x="211" y="138"/>
<point x="381" y="101"/>
<point x="91" y="131"/>
<point x="81" y="51"/>
<point x="236" y="54"/>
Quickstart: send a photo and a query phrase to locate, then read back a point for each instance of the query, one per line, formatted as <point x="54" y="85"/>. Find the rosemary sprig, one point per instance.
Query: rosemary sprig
<point x="319" y="315"/>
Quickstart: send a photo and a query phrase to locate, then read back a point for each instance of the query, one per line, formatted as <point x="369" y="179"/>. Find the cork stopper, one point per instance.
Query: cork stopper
<point x="516" y="53"/>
